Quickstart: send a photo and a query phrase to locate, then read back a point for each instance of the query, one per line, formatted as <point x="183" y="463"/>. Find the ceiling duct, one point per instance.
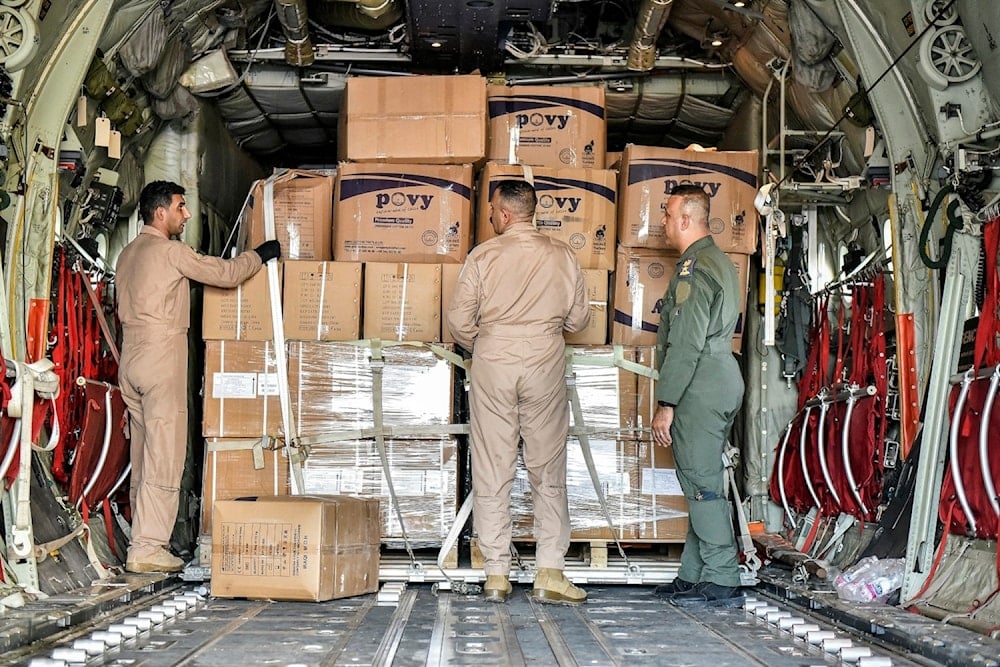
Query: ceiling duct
<point x="358" y="14"/>
<point x="649" y="22"/>
<point x="468" y="32"/>
<point x="294" y="21"/>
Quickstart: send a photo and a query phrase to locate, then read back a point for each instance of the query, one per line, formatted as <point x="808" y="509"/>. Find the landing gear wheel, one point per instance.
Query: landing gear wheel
<point x="13" y="3"/>
<point x="18" y="38"/>
<point x="933" y="7"/>
<point x="946" y="57"/>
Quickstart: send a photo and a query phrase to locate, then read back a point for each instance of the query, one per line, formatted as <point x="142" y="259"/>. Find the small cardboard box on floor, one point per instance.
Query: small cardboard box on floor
<point x="641" y="280"/>
<point x="576" y="206"/>
<point x="240" y="313"/>
<point x="422" y="119"/>
<point x="403" y="213"/>
<point x="295" y="547"/>
<point x="547" y="126"/>
<point x="649" y="175"/>
<point x="303" y="214"/>
<point x="322" y="300"/>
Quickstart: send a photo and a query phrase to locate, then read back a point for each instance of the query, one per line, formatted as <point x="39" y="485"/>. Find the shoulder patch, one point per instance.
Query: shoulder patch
<point x="686" y="269"/>
<point x="683" y="292"/>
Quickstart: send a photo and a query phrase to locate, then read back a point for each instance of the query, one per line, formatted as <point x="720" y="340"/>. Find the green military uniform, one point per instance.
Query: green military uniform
<point x="700" y="377"/>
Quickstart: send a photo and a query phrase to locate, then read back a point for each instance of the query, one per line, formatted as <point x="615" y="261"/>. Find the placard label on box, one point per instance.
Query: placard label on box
<point x="661" y="482"/>
<point x="234" y="385"/>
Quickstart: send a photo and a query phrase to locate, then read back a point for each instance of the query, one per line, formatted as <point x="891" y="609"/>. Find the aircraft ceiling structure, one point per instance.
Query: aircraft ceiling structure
<point x="275" y="69"/>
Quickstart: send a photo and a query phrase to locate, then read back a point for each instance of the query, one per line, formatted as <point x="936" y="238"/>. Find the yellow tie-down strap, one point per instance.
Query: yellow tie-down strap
<point x="257" y="446"/>
<point x="618" y="360"/>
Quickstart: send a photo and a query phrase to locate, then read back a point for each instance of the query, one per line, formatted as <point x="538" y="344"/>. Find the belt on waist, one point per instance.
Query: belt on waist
<point x="518" y="331"/>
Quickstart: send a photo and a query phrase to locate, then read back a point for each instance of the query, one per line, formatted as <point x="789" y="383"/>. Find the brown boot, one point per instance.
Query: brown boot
<point x="158" y="561"/>
<point x="551" y="585"/>
<point x="497" y="588"/>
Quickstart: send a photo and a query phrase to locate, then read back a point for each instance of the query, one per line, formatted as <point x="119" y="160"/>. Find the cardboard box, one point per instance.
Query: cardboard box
<point x="547" y="126"/>
<point x="422" y="119"/>
<point x="303" y="214"/>
<point x="640" y="281"/>
<point x="295" y="547"/>
<point x="663" y="510"/>
<point x="649" y="175"/>
<point x="424" y="476"/>
<point x="240" y="467"/>
<point x="403" y="213"/>
<point x="332" y="388"/>
<point x="402" y="301"/>
<point x="596" y="332"/>
<point x="322" y="300"/>
<point x="449" y="278"/>
<point x="239" y="313"/>
<point x="576" y="206"/>
<point x="241" y="390"/>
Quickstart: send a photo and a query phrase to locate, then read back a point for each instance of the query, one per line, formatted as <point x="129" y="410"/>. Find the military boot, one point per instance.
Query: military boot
<point x="551" y="585"/>
<point x="497" y="588"/>
<point x="160" y="560"/>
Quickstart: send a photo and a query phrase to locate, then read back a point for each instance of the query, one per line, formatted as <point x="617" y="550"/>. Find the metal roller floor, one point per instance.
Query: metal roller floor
<point x="619" y="625"/>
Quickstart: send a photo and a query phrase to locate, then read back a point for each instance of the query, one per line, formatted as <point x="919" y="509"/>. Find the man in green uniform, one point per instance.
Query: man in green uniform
<point x="698" y="395"/>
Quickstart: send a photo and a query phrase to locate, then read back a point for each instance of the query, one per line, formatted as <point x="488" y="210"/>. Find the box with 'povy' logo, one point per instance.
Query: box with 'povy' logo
<point x="576" y="206"/>
<point x="402" y="213"/>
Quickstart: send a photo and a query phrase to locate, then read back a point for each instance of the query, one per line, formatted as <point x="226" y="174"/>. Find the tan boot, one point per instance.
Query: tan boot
<point x="158" y="561"/>
<point x="551" y="585"/>
<point x="497" y="588"/>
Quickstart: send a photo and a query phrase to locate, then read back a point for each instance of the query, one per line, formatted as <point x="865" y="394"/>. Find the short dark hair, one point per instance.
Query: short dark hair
<point x="518" y="195"/>
<point x="155" y="195"/>
<point x="693" y="196"/>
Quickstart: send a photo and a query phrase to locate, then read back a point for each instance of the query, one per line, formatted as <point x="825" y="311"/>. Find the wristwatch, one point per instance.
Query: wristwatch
<point x="664" y="404"/>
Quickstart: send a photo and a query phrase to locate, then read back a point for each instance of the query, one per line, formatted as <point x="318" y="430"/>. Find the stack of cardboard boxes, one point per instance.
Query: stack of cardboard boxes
<point x="372" y="253"/>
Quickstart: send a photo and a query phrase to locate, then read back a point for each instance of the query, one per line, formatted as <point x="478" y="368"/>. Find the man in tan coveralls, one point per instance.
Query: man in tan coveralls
<point x="515" y="296"/>
<point x="155" y="311"/>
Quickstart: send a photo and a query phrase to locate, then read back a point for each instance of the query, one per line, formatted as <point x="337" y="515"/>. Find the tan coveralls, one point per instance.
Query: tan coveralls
<point x="515" y="296"/>
<point x="154" y="306"/>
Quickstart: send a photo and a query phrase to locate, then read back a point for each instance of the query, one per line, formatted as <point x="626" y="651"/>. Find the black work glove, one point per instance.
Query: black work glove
<point x="268" y="250"/>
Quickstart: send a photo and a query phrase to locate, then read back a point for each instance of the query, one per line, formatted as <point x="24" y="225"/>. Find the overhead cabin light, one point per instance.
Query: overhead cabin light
<point x="436" y="45"/>
<point x="739" y="3"/>
<point x="716" y="40"/>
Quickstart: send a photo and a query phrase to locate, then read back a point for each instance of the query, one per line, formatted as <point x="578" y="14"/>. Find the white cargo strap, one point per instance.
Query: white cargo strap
<point x="751" y="564"/>
<point x="529" y="177"/>
<point x="584" y="439"/>
<point x="35" y="378"/>
<point x="105" y="446"/>
<point x="281" y="358"/>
